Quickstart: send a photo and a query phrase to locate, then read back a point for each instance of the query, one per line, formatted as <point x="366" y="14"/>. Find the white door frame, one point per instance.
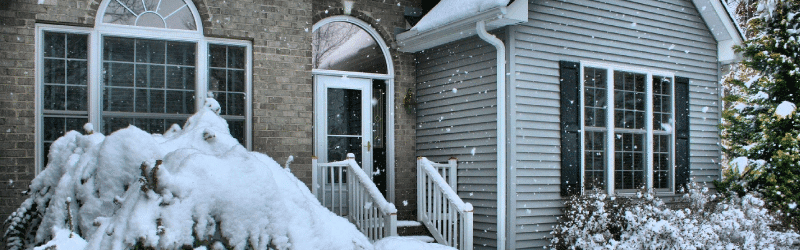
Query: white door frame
<point x="390" y="92"/>
<point x="321" y="116"/>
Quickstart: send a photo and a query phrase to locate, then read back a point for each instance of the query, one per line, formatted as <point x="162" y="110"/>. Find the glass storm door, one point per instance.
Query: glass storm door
<point x="343" y="119"/>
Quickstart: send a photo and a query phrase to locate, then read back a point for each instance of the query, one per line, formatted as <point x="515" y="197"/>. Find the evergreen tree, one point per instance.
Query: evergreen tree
<point x="761" y="129"/>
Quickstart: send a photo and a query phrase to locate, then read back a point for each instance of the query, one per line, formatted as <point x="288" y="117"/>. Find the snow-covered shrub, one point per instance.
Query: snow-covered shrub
<point x="698" y="220"/>
<point x="189" y="187"/>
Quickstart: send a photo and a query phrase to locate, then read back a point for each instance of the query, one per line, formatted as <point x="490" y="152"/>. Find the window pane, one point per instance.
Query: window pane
<point x="181" y="19"/>
<point x="118" y="14"/>
<point x="77" y="72"/>
<point x="54" y="44"/>
<point x="217" y="56"/>
<point x="77" y="46"/>
<point x="118" y="74"/>
<point x="227" y="78"/>
<point x="662" y="104"/>
<point x="661" y="163"/>
<point x="237" y="130"/>
<point x="594" y="97"/>
<point x="54" y="71"/>
<point x="76" y="98"/>
<point x="118" y="49"/>
<point x="150" y="51"/>
<point x="54" y="97"/>
<point x="629" y="161"/>
<point x="629" y="100"/>
<point x="55" y="127"/>
<point x="594" y="162"/>
<point x="346" y="47"/>
<point x="180" y="53"/>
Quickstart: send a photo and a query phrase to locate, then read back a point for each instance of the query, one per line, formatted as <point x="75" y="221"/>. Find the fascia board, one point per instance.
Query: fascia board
<point x="722" y="26"/>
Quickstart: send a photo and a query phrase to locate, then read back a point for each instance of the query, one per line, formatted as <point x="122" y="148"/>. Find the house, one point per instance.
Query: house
<point x="317" y="79"/>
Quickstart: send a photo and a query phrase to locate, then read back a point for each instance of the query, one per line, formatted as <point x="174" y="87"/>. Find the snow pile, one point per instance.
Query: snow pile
<point x="784" y="109"/>
<point x="596" y="221"/>
<point x="405" y="243"/>
<point x="192" y="187"/>
<point x="448" y="11"/>
<point x="64" y="240"/>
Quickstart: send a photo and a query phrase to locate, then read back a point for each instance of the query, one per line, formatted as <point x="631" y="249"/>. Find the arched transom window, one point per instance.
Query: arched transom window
<point x="344" y="46"/>
<point x="172" y="14"/>
<point x="145" y="63"/>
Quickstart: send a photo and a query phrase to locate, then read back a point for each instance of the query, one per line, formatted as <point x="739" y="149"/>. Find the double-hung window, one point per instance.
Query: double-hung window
<point x="144" y="63"/>
<point x="627" y="120"/>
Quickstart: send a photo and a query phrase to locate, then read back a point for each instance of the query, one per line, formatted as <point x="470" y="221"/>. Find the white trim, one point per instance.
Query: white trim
<point x="390" y="92"/>
<point x="330" y="72"/>
<point x="610" y="127"/>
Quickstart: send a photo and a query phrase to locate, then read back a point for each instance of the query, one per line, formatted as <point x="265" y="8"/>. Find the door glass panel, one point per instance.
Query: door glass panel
<point x="344" y="124"/>
<point x="344" y="112"/>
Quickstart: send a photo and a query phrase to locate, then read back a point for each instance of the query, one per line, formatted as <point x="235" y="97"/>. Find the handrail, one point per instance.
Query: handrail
<point x="447" y="217"/>
<point x="358" y="198"/>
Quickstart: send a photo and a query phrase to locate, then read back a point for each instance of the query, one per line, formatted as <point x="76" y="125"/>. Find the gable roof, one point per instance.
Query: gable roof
<point x="723" y="27"/>
<point x="715" y="13"/>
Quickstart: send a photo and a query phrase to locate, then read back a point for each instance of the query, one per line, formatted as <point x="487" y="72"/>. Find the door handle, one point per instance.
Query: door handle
<point x="369" y="146"/>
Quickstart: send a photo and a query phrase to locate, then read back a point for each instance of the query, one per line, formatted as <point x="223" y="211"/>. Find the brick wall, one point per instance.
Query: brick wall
<point x="282" y="82"/>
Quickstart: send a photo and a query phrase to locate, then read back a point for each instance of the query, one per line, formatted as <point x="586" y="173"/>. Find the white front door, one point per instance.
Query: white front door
<point x="342" y="119"/>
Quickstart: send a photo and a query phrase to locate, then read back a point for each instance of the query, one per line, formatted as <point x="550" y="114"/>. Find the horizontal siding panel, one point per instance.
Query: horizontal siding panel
<point x="473" y="116"/>
<point x="569" y="39"/>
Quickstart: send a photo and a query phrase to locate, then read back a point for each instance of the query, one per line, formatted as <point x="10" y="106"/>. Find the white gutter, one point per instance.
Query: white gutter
<point x="480" y="27"/>
<point x="498" y="17"/>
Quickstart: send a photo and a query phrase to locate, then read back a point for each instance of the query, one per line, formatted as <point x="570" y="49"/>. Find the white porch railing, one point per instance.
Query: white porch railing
<point x="439" y="208"/>
<point x="345" y="189"/>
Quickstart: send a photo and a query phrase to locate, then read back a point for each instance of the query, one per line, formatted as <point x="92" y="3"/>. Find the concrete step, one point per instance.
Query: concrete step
<point x="410" y="227"/>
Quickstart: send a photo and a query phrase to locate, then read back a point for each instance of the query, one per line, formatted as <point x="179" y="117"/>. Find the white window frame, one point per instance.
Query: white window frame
<point x="95" y="53"/>
<point x="610" y="126"/>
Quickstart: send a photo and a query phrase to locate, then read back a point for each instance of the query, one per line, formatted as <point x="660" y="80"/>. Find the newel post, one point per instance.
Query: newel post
<point x="314" y="177"/>
<point x="420" y="190"/>
<point x="453" y="175"/>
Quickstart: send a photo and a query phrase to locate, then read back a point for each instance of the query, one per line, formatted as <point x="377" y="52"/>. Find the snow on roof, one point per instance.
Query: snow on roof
<point x="190" y="185"/>
<point x="448" y="11"/>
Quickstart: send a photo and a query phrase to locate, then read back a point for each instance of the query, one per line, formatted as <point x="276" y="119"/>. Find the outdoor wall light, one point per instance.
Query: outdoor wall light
<point x="348" y="6"/>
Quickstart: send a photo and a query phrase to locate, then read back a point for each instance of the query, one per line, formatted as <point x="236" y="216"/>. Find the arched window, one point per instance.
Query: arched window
<point x="344" y="46"/>
<point x="171" y="14"/>
<point x="145" y="63"/>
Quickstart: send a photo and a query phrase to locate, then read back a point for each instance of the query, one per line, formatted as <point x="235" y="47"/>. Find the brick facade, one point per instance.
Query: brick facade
<point x="282" y="98"/>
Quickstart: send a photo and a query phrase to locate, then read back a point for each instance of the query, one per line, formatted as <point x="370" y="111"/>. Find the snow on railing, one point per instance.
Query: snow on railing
<point x="345" y="189"/>
<point x="439" y="208"/>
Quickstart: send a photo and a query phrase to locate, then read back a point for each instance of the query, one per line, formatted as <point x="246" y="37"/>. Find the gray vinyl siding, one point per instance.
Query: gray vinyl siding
<point x="453" y="123"/>
<point x="629" y="33"/>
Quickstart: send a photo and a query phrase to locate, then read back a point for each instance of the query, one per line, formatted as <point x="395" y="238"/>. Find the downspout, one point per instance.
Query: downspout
<point x="480" y="27"/>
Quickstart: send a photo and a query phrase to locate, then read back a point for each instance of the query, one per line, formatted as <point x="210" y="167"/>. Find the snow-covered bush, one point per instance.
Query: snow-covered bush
<point x="698" y="220"/>
<point x="190" y="187"/>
